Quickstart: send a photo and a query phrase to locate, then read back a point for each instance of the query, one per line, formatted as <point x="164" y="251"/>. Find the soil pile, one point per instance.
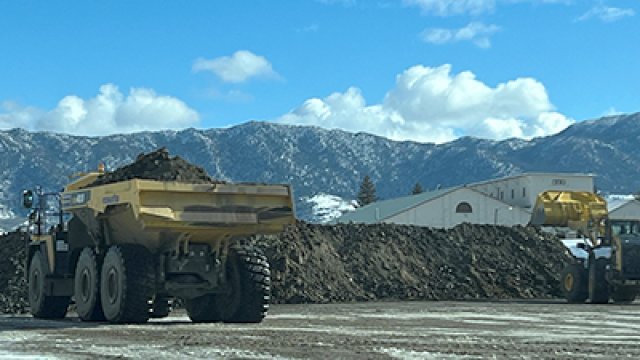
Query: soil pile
<point x="13" y="287"/>
<point x="157" y="165"/>
<point x="351" y="262"/>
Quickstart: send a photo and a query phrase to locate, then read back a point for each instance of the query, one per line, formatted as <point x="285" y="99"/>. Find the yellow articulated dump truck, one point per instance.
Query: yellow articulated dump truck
<point x="606" y="252"/>
<point x="123" y="251"/>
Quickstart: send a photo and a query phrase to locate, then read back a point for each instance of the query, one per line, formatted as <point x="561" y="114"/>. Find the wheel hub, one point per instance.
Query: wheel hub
<point x="568" y="282"/>
<point x="112" y="286"/>
<point x="85" y="285"/>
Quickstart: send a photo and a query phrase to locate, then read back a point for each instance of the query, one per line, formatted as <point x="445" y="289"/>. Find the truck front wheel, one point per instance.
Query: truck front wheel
<point x="43" y="306"/>
<point x="127" y="284"/>
<point x="86" y="289"/>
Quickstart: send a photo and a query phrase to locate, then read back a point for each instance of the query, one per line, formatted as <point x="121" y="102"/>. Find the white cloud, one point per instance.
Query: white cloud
<point x="431" y="104"/>
<point x="606" y="13"/>
<point x="237" y="68"/>
<point x="108" y="113"/>
<point x="452" y="7"/>
<point x="469" y="7"/>
<point x="476" y="32"/>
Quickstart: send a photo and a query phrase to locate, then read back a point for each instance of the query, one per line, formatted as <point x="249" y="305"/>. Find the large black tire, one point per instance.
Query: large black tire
<point x="574" y="283"/>
<point x="599" y="292"/>
<point x="127" y="284"/>
<point x="86" y="287"/>
<point x="44" y="306"/>
<point x="624" y="295"/>
<point x="248" y="290"/>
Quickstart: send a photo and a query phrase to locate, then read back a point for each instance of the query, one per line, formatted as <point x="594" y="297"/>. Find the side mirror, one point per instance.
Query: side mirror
<point x="27" y="199"/>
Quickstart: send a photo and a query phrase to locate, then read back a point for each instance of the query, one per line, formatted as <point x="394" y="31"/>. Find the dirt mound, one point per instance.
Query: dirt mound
<point x="157" y="165"/>
<point x="13" y="287"/>
<point x="349" y="262"/>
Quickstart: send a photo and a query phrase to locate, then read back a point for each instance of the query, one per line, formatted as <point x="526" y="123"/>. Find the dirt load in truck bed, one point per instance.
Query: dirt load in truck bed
<point x="158" y="165"/>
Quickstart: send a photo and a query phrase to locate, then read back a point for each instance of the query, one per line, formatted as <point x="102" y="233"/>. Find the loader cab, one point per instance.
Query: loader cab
<point x="625" y="236"/>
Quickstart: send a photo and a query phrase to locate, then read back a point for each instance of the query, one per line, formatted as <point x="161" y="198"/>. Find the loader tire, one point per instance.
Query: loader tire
<point x="248" y="290"/>
<point x="598" y="286"/>
<point x="127" y="284"/>
<point x="574" y="283"/>
<point x="624" y="295"/>
<point x="44" y="306"/>
<point x="86" y="287"/>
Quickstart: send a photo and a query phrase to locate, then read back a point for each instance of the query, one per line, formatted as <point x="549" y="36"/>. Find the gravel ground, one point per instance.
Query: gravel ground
<point x="372" y="330"/>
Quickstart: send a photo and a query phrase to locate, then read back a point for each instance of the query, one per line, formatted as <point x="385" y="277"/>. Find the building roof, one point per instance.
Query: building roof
<point x="384" y="209"/>
<point x="532" y="174"/>
<point x="617" y="202"/>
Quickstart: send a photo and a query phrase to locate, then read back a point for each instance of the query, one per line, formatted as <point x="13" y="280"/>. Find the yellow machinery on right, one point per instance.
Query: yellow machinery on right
<point x="606" y="252"/>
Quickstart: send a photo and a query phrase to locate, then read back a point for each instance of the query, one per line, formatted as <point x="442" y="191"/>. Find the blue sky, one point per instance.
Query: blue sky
<point x="424" y="70"/>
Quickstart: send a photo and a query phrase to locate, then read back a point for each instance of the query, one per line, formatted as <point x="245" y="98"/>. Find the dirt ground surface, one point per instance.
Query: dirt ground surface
<point x="374" y="330"/>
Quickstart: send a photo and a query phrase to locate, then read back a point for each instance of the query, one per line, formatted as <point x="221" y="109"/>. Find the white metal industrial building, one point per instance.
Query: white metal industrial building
<point x="505" y="201"/>
<point x="624" y="209"/>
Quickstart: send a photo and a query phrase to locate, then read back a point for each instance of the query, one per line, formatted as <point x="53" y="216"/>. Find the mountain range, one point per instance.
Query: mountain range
<point x="319" y="161"/>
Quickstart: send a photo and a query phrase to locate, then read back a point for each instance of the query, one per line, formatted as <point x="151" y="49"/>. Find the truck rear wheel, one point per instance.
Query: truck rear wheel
<point x="44" y="306"/>
<point x="574" y="283"/>
<point x="127" y="284"/>
<point x="247" y="299"/>
<point x="255" y="280"/>
<point x="86" y="289"/>
<point x="598" y="286"/>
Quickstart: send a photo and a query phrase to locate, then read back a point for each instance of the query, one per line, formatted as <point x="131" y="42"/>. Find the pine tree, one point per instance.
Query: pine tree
<point x="417" y="189"/>
<point x="367" y="193"/>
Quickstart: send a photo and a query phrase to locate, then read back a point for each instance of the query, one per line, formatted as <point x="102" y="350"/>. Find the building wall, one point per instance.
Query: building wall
<point x="522" y="190"/>
<point x="441" y="212"/>
<point x="628" y="211"/>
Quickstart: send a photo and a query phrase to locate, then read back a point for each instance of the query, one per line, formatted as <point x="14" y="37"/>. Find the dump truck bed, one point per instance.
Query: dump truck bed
<point x="154" y="212"/>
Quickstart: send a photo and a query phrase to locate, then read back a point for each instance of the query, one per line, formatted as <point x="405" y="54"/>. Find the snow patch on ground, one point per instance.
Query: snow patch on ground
<point x="410" y="354"/>
<point x="327" y="207"/>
